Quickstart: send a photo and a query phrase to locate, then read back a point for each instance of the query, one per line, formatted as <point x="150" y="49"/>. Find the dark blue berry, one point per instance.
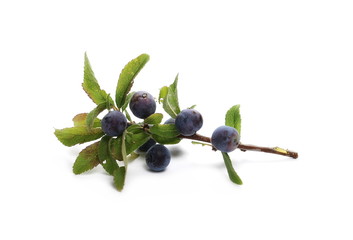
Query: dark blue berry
<point x="188" y="122"/>
<point x="225" y="139"/>
<point x="114" y="123"/>
<point x="147" y="145"/>
<point x="157" y="158"/>
<point x="170" y="121"/>
<point x="142" y="104"/>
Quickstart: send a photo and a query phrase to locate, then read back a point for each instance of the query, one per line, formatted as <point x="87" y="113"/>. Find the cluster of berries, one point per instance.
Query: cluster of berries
<point x="187" y="122"/>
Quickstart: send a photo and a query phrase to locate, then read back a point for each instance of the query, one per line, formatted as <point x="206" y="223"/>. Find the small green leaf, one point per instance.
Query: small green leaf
<point x="174" y="85"/>
<point x="136" y="140"/>
<point x="115" y="148"/>
<point x="104" y="155"/>
<point x="233" y="176"/>
<point x="80" y="120"/>
<point x="109" y="102"/>
<point x="162" y="94"/>
<point x="87" y="159"/>
<point x="110" y="165"/>
<point x="91" y="86"/>
<point x="166" y="141"/>
<point x="94" y="113"/>
<point x="120" y="173"/>
<point x="155" y="118"/>
<point x="164" y="130"/>
<point x="134" y="128"/>
<point x="119" y="178"/>
<point x="192" y="107"/>
<point x="128" y="117"/>
<point x="132" y="142"/>
<point x="233" y="118"/>
<point x="170" y="101"/>
<point x="126" y="78"/>
<point x="77" y="135"/>
<point x="127" y="101"/>
<point x="103" y="149"/>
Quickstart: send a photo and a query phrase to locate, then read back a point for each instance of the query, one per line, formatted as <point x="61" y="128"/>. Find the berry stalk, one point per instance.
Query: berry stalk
<point x="245" y="147"/>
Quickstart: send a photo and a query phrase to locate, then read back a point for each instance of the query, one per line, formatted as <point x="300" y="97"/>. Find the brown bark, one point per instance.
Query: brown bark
<point x="244" y="147"/>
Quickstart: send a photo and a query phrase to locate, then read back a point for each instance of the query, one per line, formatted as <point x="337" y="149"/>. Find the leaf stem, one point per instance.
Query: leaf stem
<point x="245" y="147"/>
<point x="123" y="149"/>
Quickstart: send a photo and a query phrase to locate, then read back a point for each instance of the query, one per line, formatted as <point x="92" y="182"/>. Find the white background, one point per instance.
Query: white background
<point x="289" y="65"/>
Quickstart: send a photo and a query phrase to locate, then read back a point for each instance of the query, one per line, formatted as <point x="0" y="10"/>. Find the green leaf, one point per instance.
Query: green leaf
<point x="126" y="78"/>
<point x="164" y="130"/>
<point x="87" y="159"/>
<point x="132" y="142"/>
<point x="233" y="176"/>
<point x="192" y="107"/>
<point x="103" y="149"/>
<point x="162" y="94"/>
<point x="128" y="117"/>
<point x="127" y="101"/>
<point x="134" y="128"/>
<point x="174" y="85"/>
<point x="110" y="165"/>
<point x="233" y="118"/>
<point x="94" y="113"/>
<point x="166" y="141"/>
<point x="104" y="155"/>
<point x="120" y="173"/>
<point x="136" y="140"/>
<point x="80" y="121"/>
<point x="91" y="86"/>
<point x="155" y="118"/>
<point x="109" y="102"/>
<point x="170" y="101"/>
<point x="115" y="148"/>
<point x="119" y="178"/>
<point x="77" y="135"/>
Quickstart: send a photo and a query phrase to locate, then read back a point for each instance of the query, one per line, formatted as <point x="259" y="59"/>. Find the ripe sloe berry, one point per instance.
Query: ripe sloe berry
<point x="170" y="121"/>
<point x="142" y="104"/>
<point x="225" y="139"/>
<point x="147" y="145"/>
<point x="157" y="158"/>
<point x="188" y="122"/>
<point x="114" y="123"/>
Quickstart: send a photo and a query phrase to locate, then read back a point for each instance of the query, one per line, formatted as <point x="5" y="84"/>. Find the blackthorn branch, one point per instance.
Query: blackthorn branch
<point x="121" y="138"/>
<point x="245" y="147"/>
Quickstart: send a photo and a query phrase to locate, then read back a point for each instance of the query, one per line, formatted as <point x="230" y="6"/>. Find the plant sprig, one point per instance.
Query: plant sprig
<point x="113" y="153"/>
